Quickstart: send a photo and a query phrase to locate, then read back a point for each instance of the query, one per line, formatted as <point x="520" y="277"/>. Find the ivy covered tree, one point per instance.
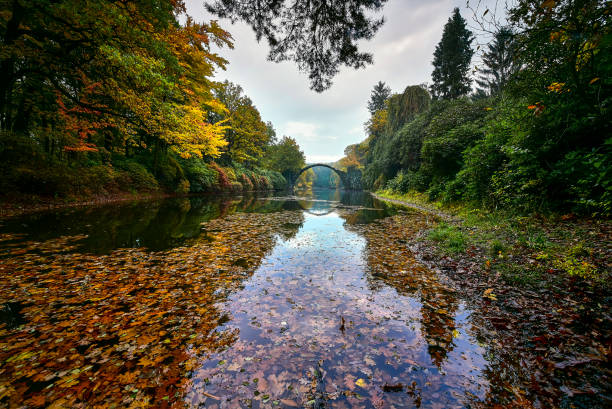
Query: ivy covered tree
<point x="452" y="59"/>
<point x="319" y="35"/>
<point x="378" y="97"/>
<point x="500" y="62"/>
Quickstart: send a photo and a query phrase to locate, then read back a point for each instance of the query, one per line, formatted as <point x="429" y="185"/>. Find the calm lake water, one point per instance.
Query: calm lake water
<point x="311" y="300"/>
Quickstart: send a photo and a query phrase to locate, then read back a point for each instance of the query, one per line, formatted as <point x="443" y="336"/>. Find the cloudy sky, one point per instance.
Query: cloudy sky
<point x="324" y="124"/>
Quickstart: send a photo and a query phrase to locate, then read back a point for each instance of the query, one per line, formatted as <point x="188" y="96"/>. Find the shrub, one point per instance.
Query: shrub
<point x="247" y="185"/>
<point x="237" y="187"/>
<point x="168" y="172"/>
<point x="406" y="181"/>
<point x="275" y="179"/>
<point x="231" y="174"/>
<point x="255" y="181"/>
<point x="201" y="177"/>
<point x="223" y="182"/>
<point x="134" y="176"/>
<point x="587" y="178"/>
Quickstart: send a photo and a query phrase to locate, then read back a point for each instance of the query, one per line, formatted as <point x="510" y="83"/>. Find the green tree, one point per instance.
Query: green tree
<point x="286" y="157"/>
<point x="319" y="35"/>
<point x="378" y="97"/>
<point x="452" y="59"/>
<point x="500" y="62"/>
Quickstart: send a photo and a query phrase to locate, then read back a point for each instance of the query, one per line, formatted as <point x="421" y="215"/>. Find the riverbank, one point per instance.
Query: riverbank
<point x="16" y="206"/>
<point x="541" y="285"/>
<point x="21" y="205"/>
<point x="546" y="246"/>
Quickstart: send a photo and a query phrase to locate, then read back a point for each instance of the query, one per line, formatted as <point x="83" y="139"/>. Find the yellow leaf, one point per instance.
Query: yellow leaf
<point x="488" y="293"/>
<point x="361" y="383"/>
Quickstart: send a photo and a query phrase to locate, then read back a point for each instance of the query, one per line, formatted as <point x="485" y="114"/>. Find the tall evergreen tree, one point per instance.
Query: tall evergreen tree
<point x="499" y="62"/>
<point x="379" y="96"/>
<point x="452" y="60"/>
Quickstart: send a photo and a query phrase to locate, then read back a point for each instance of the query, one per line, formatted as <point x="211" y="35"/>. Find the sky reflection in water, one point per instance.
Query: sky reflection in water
<point x="232" y="302"/>
<point x="289" y="316"/>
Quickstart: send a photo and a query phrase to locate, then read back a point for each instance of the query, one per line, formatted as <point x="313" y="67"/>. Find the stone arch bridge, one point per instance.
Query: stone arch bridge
<point x="351" y="178"/>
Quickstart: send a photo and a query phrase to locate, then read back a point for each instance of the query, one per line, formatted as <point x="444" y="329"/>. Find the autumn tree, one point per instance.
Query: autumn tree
<point x="452" y="59"/>
<point x="378" y="97"/>
<point x="500" y="62"/>
<point x="354" y="155"/>
<point x="319" y="35"/>
<point x="100" y="69"/>
<point x="246" y="133"/>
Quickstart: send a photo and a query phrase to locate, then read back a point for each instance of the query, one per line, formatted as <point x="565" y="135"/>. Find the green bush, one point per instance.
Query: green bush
<point x="135" y="176"/>
<point x="450" y="133"/>
<point x="223" y="183"/>
<point x="244" y="179"/>
<point x="169" y="173"/>
<point x="276" y="181"/>
<point x="587" y="178"/>
<point x="406" y="181"/>
<point x="508" y="119"/>
<point x="201" y="177"/>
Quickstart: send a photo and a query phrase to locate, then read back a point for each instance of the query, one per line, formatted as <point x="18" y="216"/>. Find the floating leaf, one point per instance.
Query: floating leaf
<point x="361" y="383"/>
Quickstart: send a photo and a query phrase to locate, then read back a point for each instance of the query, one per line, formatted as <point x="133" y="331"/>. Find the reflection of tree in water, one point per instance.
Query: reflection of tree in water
<point x="391" y="263"/>
<point x="156" y="225"/>
<point x="128" y="321"/>
<point x="438" y="323"/>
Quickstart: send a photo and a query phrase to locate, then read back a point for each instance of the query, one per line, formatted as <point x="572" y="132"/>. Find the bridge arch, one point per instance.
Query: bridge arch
<point x="340" y="173"/>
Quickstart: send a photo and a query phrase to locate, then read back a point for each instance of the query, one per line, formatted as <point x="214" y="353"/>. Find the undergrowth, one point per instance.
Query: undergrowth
<point x="526" y="250"/>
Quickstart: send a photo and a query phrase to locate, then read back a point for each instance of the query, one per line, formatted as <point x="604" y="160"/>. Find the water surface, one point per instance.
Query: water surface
<point x="311" y="300"/>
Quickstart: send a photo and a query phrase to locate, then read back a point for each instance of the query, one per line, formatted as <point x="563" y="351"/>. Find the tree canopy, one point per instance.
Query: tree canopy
<point x="319" y="35"/>
<point x="122" y="91"/>
<point x="81" y="68"/>
<point x="286" y="157"/>
<point x="538" y="139"/>
<point x="246" y="133"/>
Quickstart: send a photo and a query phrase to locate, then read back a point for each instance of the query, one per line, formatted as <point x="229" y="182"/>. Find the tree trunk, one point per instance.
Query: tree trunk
<point x="7" y="66"/>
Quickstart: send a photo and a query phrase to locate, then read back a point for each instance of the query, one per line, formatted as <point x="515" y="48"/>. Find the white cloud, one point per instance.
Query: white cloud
<point x="301" y="130"/>
<point x="358" y="130"/>
<point x="322" y="158"/>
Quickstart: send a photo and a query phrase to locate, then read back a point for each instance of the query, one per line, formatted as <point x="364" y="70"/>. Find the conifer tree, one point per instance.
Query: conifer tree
<point x="379" y="96"/>
<point x="452" y="59"/>
<point x="499" y="62"/>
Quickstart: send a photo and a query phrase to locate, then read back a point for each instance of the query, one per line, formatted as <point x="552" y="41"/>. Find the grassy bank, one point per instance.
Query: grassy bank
<point x="533" y="251"/>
